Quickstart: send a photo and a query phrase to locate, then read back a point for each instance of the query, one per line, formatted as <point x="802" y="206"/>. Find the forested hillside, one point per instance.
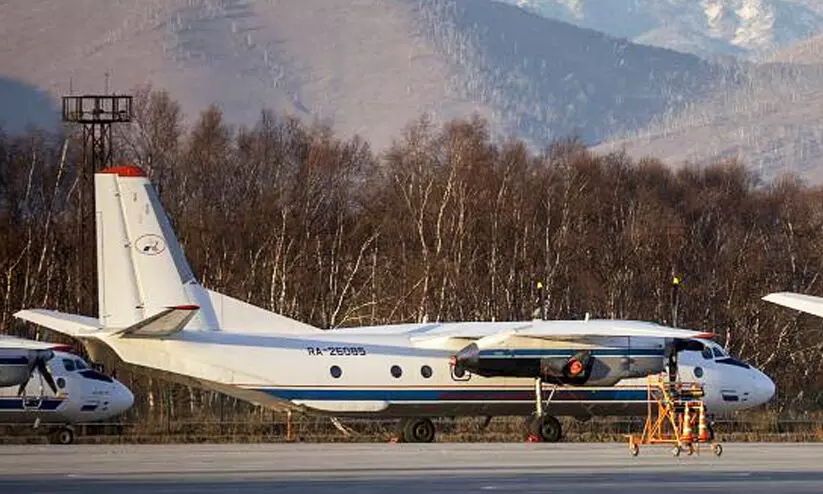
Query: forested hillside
<point x="448" y="224"/>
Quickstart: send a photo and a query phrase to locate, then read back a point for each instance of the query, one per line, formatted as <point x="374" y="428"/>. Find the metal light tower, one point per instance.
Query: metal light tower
<point x="96" y="113"/>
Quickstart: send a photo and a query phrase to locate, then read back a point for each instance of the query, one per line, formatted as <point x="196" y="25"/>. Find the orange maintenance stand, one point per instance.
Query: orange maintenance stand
<point x="676" y="416"/>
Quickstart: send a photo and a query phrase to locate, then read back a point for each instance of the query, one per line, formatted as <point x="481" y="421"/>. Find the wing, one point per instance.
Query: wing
<point x="798" y="301"/>
<point x="491" y="334"/>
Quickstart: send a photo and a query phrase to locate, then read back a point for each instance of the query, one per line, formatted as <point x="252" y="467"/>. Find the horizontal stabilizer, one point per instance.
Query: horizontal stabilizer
<point x="164" y="323"/>
<point x="11" y="342"/>
<point x="804" y="303"/>
<point x="67" y="324"/>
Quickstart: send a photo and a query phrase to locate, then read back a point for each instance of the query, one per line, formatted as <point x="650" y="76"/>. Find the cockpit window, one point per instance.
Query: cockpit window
<point x="80" y="364"/>
<point x="68" y="364"/>
<point x="707" y="353"/>
<point x="93" y="374"/>
<point x="718" y="352"/>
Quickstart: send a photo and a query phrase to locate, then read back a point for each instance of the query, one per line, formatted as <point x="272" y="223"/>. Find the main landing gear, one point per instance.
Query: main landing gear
<point x="543" y="427"/>
<point x="416" y="430"/>
<point x="63" y="435"/>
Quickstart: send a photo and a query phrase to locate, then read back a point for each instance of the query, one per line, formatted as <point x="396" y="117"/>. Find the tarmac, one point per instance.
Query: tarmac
<point x="405" y="468"/>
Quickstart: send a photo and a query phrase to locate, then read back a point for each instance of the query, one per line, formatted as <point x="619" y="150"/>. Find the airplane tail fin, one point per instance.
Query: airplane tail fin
<point x="144" y="280"/>
<point x="141" y="269"/>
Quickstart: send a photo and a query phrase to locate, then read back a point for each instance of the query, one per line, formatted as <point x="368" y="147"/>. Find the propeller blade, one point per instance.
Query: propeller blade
<point x="44" y="371"/>
<point x="22" y="388"/>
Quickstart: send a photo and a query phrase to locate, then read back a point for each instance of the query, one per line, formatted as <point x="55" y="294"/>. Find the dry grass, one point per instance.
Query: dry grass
<point x="753" y="427"/>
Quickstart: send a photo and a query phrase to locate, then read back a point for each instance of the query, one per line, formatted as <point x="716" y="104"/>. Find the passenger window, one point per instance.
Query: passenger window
<point x="396" y="371"/>
<point x="426" y="371"/>
<point x="707" y="353"/>
<point x="717" y="352"/>
<point x="68" y="364"/>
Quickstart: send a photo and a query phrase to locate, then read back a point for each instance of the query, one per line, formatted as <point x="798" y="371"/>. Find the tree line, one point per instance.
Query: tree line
<point x="448" y="223"/>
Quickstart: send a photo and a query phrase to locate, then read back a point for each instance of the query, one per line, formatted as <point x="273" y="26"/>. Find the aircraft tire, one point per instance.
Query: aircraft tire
<point x="419" y="431"/>
<point x="547" y="428"/>
<point x="64" y="435"/>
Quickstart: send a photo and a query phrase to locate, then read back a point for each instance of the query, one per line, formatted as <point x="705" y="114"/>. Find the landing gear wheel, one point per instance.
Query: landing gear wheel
<point x="547" y="428"/>
<point x="676" y="451"/>
<point x="634" y="449"/>
<point x="418" y="431"/>
<point x="690" y="449"/>
<point x="717" y="449"/>
<point x="64" y="435"/>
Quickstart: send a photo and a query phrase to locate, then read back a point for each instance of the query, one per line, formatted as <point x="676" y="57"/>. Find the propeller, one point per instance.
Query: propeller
<point x="39" y="363"/>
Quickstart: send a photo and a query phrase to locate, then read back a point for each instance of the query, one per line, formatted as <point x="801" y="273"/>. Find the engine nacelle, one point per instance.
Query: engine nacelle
<point x="584" y="367"/>
<point x="13" y="374"/>
<point x="16" y="366"/>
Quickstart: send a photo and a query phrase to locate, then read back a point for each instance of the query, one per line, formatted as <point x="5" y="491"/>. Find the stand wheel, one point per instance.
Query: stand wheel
<point x="634" y="449"/>
<point x="717" y="449"/>
<point x="676" y="451"/>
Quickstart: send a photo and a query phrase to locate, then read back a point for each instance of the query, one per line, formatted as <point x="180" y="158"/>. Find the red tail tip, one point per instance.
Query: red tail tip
<point x="185" y="307"/>
<point x="124" y="171"/>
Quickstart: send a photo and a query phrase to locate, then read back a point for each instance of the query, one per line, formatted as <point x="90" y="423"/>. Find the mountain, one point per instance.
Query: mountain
<point x="364" y="66"/>
<point x="746" y="28"/>
<point x="770" y="121"/>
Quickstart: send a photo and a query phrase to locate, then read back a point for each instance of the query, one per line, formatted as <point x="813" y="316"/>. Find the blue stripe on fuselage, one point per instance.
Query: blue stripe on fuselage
<point x="452" y="394"/>
<point x="14" y="361"/>
<point x="16" y="403"/>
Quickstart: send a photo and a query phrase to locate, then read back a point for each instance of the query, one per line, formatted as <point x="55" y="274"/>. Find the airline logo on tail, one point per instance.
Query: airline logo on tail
<point x="150" y="244"/>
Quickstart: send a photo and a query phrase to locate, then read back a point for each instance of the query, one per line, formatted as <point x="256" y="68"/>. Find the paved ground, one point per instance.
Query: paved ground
<point x="407" y="468"/>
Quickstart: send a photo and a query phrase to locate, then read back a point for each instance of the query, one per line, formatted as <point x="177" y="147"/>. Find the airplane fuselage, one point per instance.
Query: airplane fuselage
<point x="386" y="375"/>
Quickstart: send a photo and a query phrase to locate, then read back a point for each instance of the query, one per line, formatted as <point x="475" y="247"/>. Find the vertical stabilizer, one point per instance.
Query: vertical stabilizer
<point x="141" y="269"/>
<point x="146" y="287"/>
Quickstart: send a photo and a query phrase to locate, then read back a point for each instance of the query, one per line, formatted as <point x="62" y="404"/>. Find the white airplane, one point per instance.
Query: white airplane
<point x="154" y="313"/>
<point x="41" y="383"/>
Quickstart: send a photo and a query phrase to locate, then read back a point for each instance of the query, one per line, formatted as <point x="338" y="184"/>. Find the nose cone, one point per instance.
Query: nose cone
<point x="122" y="399"/>
<point x="764" y="388"/>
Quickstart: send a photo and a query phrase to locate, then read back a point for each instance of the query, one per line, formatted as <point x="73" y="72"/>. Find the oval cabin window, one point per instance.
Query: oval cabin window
<point x="396" y="371"/>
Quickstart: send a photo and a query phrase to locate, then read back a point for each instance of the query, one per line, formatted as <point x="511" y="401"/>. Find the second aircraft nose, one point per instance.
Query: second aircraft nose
<point x="123" y="398"/>
<point x="764" y="388"/>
